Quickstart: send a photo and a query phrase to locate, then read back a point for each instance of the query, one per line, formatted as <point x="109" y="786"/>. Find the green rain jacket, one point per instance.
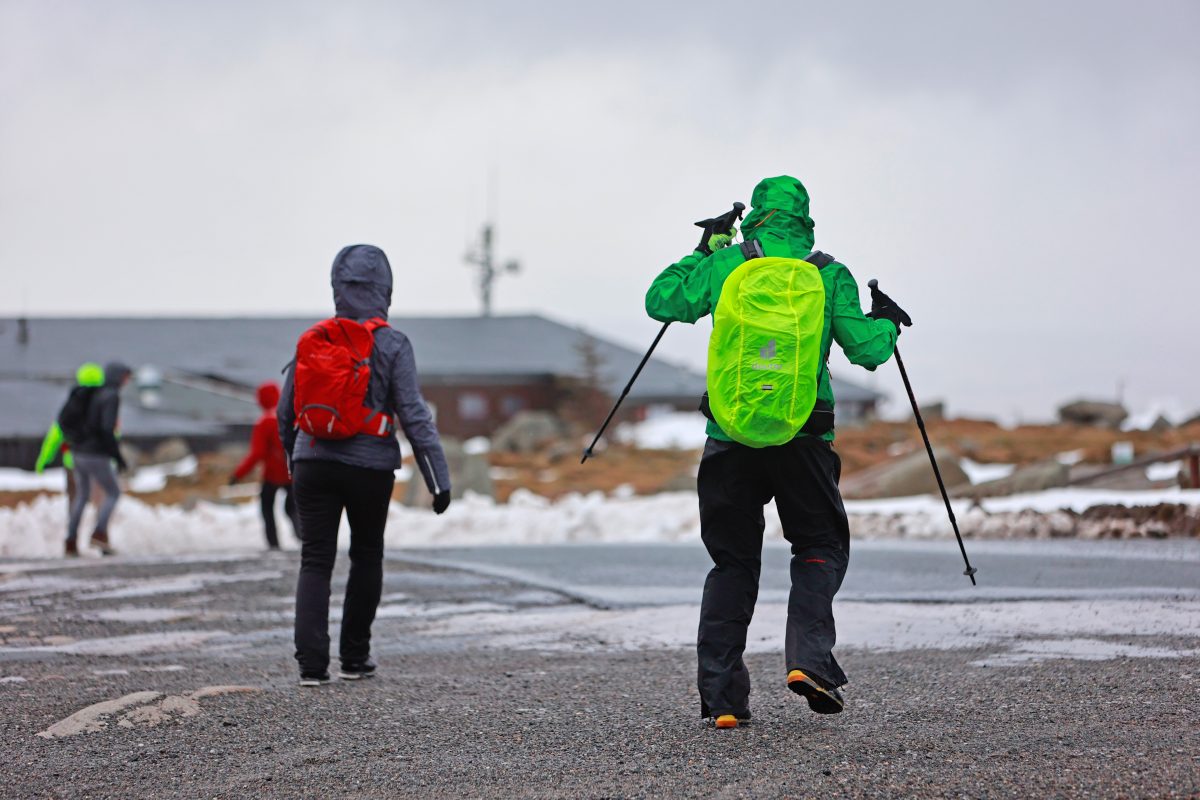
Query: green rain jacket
<point x="689" y="289"/>
<point x="89" y="374"/>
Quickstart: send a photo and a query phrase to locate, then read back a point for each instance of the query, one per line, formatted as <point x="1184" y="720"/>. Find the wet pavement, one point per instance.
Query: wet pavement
<point x="566" y="672"/>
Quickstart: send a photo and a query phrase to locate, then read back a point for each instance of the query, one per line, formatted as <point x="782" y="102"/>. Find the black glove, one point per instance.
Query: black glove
<point x="884" y="307"/>
<point x="122" y="465"/>
<point x="441" y="501"/>
<point x="232" y="480"/>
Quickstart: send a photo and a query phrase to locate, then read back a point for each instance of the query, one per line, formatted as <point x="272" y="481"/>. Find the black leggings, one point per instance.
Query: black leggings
<point x="323" y="489"/>
<point x="267" y="498"/>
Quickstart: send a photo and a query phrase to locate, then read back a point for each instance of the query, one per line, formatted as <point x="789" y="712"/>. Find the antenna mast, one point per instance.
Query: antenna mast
<point x="484" y="258"/>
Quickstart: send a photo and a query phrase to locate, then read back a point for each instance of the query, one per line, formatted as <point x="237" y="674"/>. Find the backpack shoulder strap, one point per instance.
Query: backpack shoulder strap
<point x="752" y="249"/>
<point x="375" y="323"/>
<point x="819" y="260"/>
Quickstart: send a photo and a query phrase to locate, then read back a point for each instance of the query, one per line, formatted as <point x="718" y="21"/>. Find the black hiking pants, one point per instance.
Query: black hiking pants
<point x="267" y="501"/>
<point x="323" y="489"/>
<point x="735" y="483"/>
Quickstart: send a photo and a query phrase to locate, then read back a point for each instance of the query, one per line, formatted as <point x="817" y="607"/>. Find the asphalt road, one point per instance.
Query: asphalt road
<point x="491" y="686"/>
<point x="926" y="571"/>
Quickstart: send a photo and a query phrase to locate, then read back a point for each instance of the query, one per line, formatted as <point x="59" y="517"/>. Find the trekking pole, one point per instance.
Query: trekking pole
<point x="588" y="452"/>
<point x="937" y="473"/>
<point x="718" y="224"/>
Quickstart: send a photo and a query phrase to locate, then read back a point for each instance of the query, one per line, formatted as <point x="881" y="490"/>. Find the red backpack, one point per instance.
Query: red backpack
<point x="333" y="370"/>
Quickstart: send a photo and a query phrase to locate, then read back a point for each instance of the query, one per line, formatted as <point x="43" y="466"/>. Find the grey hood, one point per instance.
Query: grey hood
<point x="362" y="282"/>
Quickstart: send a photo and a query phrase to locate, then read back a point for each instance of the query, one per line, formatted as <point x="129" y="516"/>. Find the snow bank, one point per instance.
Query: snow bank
<point x="151" y="478"/>
<point x="23" y="480"/>
<point x="36" y="529"/>
<point x="679" y="430"/>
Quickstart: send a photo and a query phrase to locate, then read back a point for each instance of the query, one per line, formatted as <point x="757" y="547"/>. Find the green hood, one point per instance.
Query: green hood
<point x="779" y="213"/>
<point x="90" y="374"/>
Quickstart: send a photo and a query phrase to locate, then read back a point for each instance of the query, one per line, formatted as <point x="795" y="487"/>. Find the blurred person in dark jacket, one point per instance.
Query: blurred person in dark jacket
<point x="95" y="451"/>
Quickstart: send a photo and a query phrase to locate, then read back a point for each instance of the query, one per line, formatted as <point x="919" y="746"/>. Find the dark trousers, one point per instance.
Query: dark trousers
<point x="323" y="489"/>
<point x="734" y="483"/>
<point x="267" y="499"/>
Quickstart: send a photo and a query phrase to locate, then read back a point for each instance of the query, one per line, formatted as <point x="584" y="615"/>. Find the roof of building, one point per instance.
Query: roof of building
<point x="30" y="406"/>
<point x="245" y="351"/>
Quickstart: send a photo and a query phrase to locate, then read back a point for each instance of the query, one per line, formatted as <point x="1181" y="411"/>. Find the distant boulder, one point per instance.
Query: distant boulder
<point x="1033" y="478"/>
<point x="528" y="432"/>
<point x="905" y="476"/>
<point x="170" y="450"/>
<point x="469" y="472"/>
<point x="1093" y="413"/>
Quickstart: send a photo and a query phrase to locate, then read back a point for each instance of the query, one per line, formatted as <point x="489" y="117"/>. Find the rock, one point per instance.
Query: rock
<point x="173" y="449"/>
<point x="133" y="456"/>
<point x="934" y="412"/>
<point x="528" y="432"/>
<point x="1033" y="478"/>
<point x="469" y="472"/>
<point x="1093" y="413"/>
<point x="1160" y="425"/>
<point x="905" y="476"/>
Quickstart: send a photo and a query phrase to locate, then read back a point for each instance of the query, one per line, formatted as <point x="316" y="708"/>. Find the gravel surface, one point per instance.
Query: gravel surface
<point x="455" y="717"/>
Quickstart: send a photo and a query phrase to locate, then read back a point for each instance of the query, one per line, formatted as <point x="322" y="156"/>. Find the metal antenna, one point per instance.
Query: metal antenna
<point x="484" y="258"/>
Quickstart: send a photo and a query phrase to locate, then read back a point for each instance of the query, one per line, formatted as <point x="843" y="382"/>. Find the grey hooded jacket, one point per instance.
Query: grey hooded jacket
<point x="362" y="289"/>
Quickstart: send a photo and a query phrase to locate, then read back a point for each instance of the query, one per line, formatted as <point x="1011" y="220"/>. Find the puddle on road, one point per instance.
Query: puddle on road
<point x="136" y="615"/>
<point x="179" y="584"/>
<point x="136" y="644"/>
<point x="1067" y="628"/>
<point x="1028" y="652"/>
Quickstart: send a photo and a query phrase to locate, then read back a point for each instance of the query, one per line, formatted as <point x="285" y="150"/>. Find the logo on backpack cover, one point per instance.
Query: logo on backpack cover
<point x="767" y="360"/>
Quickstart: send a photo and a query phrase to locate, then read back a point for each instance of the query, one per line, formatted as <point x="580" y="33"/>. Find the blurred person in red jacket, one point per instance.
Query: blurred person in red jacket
<point x="266" y="448"/>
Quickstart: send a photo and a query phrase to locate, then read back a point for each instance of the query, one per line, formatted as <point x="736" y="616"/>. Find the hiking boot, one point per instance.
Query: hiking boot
<point x="71" y="549"/>
<point x="100" y="542"/>
<point x="725" y="721"/>
<point x="357" y="671"/>
<point x="314" y="679"/>
<point x="820" y="699"/>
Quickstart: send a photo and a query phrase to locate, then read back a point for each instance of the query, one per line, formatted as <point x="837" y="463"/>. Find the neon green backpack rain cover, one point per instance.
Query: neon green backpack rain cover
<point x="765" y="350"/>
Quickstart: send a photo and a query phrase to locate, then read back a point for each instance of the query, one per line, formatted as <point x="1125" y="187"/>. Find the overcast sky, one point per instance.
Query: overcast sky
<point x="1020" y="176"/>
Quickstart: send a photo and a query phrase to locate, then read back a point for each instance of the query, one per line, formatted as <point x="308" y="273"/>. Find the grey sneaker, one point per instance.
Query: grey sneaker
<point x="314" y="680"/>
<point x="357" y="671"/>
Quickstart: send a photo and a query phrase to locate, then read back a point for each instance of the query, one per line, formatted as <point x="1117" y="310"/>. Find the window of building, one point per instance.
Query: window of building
<point x="511" y="404"/>
<point x="472" y="405"/>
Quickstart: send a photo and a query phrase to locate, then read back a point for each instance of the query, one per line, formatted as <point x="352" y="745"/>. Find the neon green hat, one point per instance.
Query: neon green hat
<point x="90" y="374"/>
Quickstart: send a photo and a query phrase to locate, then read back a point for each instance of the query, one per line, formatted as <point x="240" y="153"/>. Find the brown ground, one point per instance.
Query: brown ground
<point x="556" y="471"/>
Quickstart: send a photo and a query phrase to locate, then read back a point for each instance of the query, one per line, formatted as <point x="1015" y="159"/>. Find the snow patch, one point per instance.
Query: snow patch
<point x="677" y="430"/>
<point x="981" y="473"/>
<point x="153" y="478"/>
<point x="34" y="529"/>
<point x="21" y="480"/>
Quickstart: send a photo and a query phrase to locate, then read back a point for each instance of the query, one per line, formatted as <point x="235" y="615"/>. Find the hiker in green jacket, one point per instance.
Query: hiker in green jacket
<point x="736" y="481"/>
<point x="55" y="443"/>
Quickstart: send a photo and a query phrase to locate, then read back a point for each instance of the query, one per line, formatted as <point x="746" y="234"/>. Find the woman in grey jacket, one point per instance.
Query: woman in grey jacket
<point x="355" y="475"/>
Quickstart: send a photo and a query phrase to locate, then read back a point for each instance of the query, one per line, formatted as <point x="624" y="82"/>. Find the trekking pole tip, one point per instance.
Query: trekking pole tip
<point x="587" y="452"/>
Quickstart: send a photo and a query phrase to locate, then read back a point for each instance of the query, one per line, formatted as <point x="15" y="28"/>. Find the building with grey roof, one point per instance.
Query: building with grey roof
<point x="196" y="375"/>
